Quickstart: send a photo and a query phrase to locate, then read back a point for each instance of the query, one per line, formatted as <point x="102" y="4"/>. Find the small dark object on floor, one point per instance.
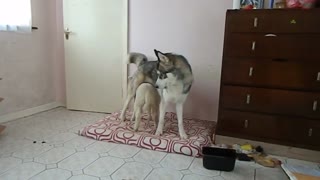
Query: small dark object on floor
<point x="34" y="142"/>
<point x="259" y="149"/>
<point x="243" y="157"/>
<point x="43" y="142"/>
<point x="219" y="158"/>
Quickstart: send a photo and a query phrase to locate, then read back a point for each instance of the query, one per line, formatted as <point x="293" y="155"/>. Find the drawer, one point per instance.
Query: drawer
<point x="278" y="21"/>
<point x="282" y="102"/>
<point x="272" y="73"/>
<point x="259" y="126"/>
<point x="274" y="46"/>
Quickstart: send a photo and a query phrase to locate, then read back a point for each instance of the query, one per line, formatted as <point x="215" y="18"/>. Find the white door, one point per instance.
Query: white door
<point x="94" y="52"/>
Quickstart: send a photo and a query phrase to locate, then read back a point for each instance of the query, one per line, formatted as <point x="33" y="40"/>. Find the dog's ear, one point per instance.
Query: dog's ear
<point x="161" y="56"/>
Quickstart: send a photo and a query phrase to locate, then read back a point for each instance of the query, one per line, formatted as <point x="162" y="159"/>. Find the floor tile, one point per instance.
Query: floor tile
<point x="197" y="168"/>
<point x="58" y="145"/>
<point x="129" y="160"/>
<point x="77" y="172"/>
<point x="39" y="134"/>
<point x="196" y="177"/>
<point x="154" y="166"/>
<point x="77" y="128"/>
<point x="186" y="172"/>
<point x="8" y="163"/>
<point x="53" y="174"/>
<point x="270" y="174"/>
<point x="101" y="147"/>
<point x="51" y="166"/>
<point x="54" y="155"/>
<point x="83" y="177"/>
<point x="124" y="151"/>
<point x="177" y="161"/>
<point x="149" y="156"/>
<point x="88" y="159"/>
<point x="218" y="178"/>
<point x="80" y="149"/>
<point x="104" y="166"/>
<point x="27" y="160"/>
<point x="164" y="174"/>
<point x="61" y="138"/>
<point x="14" y="146"/>
<point x="32" y="151"/>
<point x="106" y="178"/>
<point x="132" y="170"/>
<point x="78" y="161"/>
<point x="102" y="154"/>
<point x="23" y="171"/>
<point x="79" y="142"/>
<point x="241" y="171"/>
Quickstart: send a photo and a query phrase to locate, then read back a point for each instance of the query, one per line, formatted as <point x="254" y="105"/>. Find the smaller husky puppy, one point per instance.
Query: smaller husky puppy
<point x="147" y="100"/>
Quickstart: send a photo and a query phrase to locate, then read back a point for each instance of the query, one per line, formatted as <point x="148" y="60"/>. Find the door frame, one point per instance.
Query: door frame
<point x="59" y="60"/>
<point x="125" y="50"/>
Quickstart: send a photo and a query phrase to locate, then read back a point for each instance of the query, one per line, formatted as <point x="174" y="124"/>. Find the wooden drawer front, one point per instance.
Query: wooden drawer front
<point x="280" y="47"/>
<point x="256" y="125"/>
<point x="277" y="21"/>
<point x="268" y="73"/>
<point x="271" y="101"/>
<point x="252" y="124"/>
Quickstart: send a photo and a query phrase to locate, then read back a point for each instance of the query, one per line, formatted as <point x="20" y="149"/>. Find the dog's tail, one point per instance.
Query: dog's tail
<point x="137" y="58"/>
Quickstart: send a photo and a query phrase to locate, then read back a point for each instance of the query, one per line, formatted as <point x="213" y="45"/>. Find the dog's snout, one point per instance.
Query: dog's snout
<point x="157" y="86"/>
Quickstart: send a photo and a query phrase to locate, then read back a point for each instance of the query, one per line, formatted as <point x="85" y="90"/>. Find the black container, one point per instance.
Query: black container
<point x="218" y="158"/>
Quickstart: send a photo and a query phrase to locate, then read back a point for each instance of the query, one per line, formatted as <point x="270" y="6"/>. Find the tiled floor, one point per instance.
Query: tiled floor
<point x="46" y="146"/>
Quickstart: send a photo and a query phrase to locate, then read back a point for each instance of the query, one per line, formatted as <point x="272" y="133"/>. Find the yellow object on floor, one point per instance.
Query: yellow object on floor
<point x="247" y="147"/>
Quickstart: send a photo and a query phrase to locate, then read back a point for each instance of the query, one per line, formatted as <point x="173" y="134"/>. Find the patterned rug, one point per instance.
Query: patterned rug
<point x="110" y="129"/>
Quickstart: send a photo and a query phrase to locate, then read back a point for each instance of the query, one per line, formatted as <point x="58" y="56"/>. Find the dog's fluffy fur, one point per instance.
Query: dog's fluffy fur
<point x="146" y="73"/>
<point x="147" y="100"/>
<point x="175" y="81"/>
<point x="172" y="74"/>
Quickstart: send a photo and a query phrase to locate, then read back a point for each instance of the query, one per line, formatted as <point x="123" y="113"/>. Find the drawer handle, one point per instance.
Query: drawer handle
<point x="270" y="35"/>
<point x="248" y="99"/>
<point x="255" y="22"/>
<point x="318" y="77"/>
<point x="315" y="105"/>
<point x="251" y="71"/>
<point x="253" y="47"/>
<point x="246" y="123"/>
<point x="310" y="132"/>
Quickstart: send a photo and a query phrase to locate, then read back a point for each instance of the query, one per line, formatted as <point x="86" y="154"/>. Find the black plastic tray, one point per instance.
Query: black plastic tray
<point x="218" y="158"/>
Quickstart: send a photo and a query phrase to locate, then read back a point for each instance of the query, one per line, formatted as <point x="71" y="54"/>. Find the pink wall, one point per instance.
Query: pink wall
<point x="192" y="28"/>
<point x="33" y="65"/>
<point x="59" y="65"/>
<point x="27" y="61"/>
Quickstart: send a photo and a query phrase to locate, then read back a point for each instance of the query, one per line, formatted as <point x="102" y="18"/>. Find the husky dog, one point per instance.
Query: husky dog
<point x="175" y="81"/>
<point x="146" y="73"/>
<point x="147" y="100"/>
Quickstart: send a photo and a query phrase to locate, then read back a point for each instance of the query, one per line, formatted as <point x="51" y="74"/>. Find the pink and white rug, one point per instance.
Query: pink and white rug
<point x="111" y="129"/>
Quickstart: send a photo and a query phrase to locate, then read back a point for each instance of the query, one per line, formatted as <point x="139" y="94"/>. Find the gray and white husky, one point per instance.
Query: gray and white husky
<point x="145" y="73"/>
<point x="175" y="79"/>
<point x="171" y="74"/>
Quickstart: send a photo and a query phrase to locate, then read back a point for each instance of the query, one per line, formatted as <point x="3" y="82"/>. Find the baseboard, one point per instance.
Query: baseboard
<point x="273" y="149"/>
<point x="28" y="112"/>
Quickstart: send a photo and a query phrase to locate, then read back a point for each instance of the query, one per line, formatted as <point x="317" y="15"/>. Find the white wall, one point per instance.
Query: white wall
<point x="192" y="28"/>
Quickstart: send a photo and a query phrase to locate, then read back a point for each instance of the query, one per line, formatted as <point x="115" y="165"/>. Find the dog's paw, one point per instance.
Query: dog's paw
<point x="122" y="118"/>
<point x="183" y="136"/>
<point x="158" y="133"/>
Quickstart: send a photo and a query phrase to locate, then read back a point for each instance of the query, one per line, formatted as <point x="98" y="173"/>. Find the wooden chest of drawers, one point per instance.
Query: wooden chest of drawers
<point x="270" y="84"/>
